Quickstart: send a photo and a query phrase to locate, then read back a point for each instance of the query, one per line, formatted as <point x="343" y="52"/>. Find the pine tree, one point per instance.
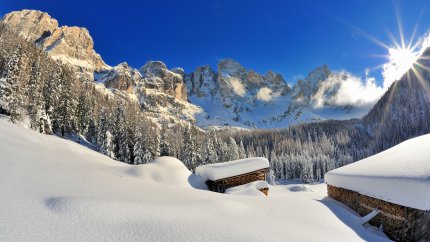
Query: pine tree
<point x="165" y="149"/>
<point x="83" y="111"/>
<point x="242" y="153"/>
<point x="51" y="92"/>
<point x="211" y="150"/>
<point x="138" y="150"/>
<point x="34" y="96"/>
<point x="189" y="152"/>
<point x="104" y="137"/>
<point x="65" y="111"/>
<point x="232" y="150"/>
<point x="147" y="157"/>
<point x="10" y="93"/>
<point x="121" y="140"/>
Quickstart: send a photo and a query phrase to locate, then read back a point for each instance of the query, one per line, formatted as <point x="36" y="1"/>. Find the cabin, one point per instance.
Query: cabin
<point x="391" y="190"/>
<point x="221" y="176"/>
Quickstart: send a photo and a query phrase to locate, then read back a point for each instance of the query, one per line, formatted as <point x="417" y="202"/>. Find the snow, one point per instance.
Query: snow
<point x="56" y="190"/>
<point x="399" y="175"/>
<point x="231" y="168"/>
<point x="369" y="216"/>
<point x="250" y="189"/>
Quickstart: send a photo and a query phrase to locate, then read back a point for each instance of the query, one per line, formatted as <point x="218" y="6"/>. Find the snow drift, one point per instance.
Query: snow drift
<point x="57" y="190"/>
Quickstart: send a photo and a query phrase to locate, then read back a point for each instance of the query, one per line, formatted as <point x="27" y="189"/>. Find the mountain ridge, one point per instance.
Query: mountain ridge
<point x="231" y="95"/>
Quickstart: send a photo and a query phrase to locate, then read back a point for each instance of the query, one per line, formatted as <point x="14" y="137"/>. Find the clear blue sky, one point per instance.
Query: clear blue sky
<point x="289" y="37"/>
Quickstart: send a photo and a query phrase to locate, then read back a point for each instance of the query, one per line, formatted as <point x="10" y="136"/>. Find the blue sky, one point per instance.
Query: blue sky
<point x="289" y="37"/>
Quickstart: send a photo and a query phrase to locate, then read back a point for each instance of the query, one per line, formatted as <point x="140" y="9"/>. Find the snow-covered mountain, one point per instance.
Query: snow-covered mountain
<point x="237" y="97"/>
<point x="230" y="95"/>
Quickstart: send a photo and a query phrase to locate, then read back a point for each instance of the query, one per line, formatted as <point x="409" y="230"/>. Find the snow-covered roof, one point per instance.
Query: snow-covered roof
<point x="399" y="175"/>
<point x="231" y="168"/>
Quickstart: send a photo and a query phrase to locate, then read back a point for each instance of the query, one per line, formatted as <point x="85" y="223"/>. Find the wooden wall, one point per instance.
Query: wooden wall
<point x="223" y="184"/>
<point x="400" y="223"/>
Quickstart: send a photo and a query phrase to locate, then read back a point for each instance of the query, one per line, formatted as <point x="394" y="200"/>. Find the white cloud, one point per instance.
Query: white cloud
<point x="342" y="88"/>
<point x="238" y="87"/>
<point x="265" y="94"/>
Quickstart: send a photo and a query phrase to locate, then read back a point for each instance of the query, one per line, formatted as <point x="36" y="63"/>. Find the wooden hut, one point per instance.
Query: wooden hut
<point x="393" y="184"/>
<point x="221" y="176"/>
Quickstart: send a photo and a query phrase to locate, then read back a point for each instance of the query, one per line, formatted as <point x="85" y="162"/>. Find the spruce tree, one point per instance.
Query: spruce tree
<point x="10" y="93"/>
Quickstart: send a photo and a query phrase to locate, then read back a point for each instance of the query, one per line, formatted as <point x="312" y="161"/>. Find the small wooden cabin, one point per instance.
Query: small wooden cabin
<point x="394" y="184"/>
<point x="221" y="176"/>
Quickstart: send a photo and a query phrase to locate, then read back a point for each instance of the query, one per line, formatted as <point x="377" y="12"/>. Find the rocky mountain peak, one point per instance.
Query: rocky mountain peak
<point x="31" y="24"/>
<point x="153" y="67"/>
<point x="158" y="76"/>
<point x="71" y="45"/>
<point x="230" y="67"/>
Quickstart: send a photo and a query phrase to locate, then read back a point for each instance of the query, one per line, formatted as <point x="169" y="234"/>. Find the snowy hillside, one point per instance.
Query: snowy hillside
<point x="400" y="175"/>
<point x="54" y="189"/>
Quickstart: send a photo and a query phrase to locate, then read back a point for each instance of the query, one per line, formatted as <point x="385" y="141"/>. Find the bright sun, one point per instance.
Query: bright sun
<point x="402" y="58"/>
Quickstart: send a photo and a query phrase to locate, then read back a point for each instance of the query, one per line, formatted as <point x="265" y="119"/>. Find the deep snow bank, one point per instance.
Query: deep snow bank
<point x="167" y="171"/>
<point x="56" y="190"/>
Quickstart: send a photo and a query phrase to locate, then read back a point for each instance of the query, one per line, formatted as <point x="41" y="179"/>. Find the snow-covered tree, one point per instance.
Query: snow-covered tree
<point x="232" y="150"/>
<point x="139" y="149"/>
<point x="190" y="154"/>
<point x="65" y="111"/>
<point x="10" y="93"/>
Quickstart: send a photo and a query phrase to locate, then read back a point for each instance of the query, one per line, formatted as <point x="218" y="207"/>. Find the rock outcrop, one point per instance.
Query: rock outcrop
<point x="72" y="45"/>
<point x="171" y="82"/>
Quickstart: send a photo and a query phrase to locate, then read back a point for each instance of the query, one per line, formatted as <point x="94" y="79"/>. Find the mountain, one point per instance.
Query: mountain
<point x="403" y="112"/>
<point x="236" y="97"/>
<point x="228" y="96"/>
<point x="72" y="45"/>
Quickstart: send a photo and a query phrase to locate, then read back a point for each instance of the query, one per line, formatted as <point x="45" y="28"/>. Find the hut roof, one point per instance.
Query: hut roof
<point x="231" y="168"/>
<point x="399" y="175"/>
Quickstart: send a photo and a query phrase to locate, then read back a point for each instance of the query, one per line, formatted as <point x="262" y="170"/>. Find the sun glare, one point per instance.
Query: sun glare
<point x="402" y="59"/>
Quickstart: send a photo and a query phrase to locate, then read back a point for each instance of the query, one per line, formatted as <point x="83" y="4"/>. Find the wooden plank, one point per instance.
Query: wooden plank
<point x="384" y="213"/>
<point x="265" y="170"/>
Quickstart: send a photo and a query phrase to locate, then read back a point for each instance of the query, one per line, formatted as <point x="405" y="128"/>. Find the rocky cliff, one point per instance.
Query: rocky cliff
<point x="72" y="45"/>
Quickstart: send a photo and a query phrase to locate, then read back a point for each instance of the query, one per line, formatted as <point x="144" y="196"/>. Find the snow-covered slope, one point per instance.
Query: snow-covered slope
<point x="400" y="175"/>
<point x="56" y="190"/>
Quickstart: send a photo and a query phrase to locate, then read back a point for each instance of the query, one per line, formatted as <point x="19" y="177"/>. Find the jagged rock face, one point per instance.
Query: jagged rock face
<point x="72" y="45"/>
<point x="157" y="76"/>
<point x="232" y="74"/>
<point x="31" y="24"/>
<point x="121" y="77"/>
<point x="202" y="82"/>
<point x="303" y="91"/>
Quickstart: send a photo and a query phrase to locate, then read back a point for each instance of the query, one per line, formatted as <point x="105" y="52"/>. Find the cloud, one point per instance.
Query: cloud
<point x="238" y="87"/>
<point x="343" y="88"/>
<point x="265" y="94"/>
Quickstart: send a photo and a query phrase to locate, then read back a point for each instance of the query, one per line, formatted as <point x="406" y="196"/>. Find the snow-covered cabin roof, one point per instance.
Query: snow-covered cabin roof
<point x="400" y="175"/>
<point x="231" y="168"/>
